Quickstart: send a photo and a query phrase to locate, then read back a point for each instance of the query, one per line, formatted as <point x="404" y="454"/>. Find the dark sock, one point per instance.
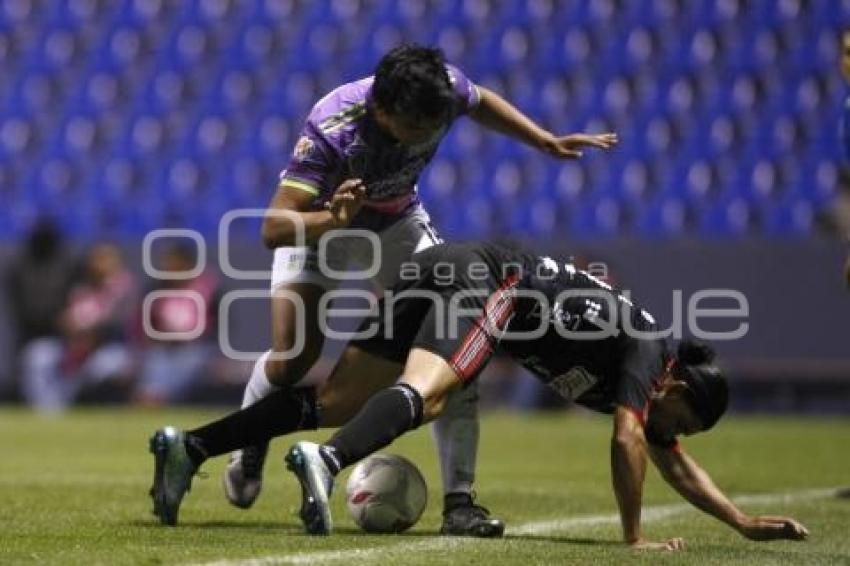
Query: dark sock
<point x="386" y="416"/>
<point x="282" y="412"/>
<point x="456" y="499"/>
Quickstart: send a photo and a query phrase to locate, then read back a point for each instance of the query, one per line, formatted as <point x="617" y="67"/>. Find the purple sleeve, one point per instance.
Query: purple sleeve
<point x="311" y="164"/>
<point x="467" y="93"/>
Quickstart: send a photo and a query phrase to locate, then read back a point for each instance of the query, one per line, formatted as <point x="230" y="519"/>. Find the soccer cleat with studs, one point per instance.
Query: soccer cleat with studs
<point x="243" y="476"/>
<point x="462" y="517"/>
<point x="172" y="476"/>
<point x="317" y="481"/>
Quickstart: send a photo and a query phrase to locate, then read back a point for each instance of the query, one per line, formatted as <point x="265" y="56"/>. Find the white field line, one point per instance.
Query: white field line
<point x="660" y="512"/>
<point x="649" y="514"/>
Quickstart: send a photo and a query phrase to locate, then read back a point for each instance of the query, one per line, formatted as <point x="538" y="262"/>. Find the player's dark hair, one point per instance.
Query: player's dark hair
<point x="694" y="353"/>
<point x="412" y="81"/>
<point x="708" y="392"/>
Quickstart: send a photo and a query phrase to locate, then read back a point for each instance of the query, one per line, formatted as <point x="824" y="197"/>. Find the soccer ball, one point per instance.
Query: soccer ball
<point x="386" y="494"/>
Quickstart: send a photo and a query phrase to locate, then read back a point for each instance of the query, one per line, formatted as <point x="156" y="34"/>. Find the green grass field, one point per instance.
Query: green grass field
<point x="73" y="490"/>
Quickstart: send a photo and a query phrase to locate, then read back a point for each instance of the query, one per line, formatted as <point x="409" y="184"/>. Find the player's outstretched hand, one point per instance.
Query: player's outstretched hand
<point x="671" y="545"/>
<point x="346" y="201"/>
<point x="570" y="147"/>
<point x="771" y="527"/>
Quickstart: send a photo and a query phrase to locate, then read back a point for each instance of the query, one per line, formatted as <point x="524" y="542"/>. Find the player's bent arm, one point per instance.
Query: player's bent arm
<point x="290" y="206"/>
<point x="695" y="485"/>
<point x="628" y="470"/>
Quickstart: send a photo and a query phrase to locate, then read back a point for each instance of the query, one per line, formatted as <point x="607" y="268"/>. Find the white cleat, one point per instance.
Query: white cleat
<point x="317" y="483"/>
<point x="243" y="477"/>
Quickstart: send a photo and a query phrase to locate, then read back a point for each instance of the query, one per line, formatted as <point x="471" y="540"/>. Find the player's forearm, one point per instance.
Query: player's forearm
<point x="628" y="469"/>
<point x="290" y="228"/>
<point x="695" y="485"/>
<point x="496" y="113"/>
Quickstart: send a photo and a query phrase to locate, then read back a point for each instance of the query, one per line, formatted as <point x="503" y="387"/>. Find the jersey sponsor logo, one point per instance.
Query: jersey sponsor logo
<point x="574" y="383"/>
<point x="303" y="148"/>
<point x="559" y="315"/>
<point x="549" y="264"/>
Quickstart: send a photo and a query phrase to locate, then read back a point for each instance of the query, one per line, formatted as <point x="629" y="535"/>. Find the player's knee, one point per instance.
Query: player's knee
<point x="337" y="406"/>
<point x="433" y="406"/>
<point x="282" y="370"/>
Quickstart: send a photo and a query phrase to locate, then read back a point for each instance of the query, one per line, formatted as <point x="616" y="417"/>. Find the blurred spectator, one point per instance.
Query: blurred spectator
<point x="171" y="367"/>
<point x="91" y="347"/>
<point x="845" y="55"/>
<point x="847" y="271"/>
<point x="38" y="284"/>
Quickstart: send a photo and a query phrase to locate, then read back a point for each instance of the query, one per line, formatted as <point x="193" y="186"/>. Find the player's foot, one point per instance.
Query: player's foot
<point x="172" y="474"/>
<point x="317" y="483"/>
<point x="243" y="477"/>
<point x="462" y="517"/>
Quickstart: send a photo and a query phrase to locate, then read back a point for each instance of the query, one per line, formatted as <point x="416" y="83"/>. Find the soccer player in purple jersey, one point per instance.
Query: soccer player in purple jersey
<point x="356" y="165"/>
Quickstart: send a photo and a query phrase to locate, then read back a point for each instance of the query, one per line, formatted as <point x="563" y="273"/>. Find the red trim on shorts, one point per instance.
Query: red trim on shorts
<point x="476" y="347"/>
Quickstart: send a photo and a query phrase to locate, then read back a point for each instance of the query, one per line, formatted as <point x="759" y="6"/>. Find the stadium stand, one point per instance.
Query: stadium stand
<point x="126" y="116"/>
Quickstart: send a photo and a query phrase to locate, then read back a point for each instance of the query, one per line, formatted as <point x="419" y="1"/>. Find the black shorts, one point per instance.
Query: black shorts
<point x="449" y="302"/>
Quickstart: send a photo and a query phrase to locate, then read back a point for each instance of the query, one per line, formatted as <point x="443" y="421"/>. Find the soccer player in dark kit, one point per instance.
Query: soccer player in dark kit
<point x="575" y="333"/>
<point x="356" y="165"/>
<point x="453" y="307"/>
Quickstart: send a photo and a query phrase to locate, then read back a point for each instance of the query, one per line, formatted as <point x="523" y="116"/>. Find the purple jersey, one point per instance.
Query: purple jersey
<point x="341" y="140"/>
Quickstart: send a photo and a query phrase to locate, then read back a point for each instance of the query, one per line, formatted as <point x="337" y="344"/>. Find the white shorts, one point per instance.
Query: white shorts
<point x="356" y="254"/>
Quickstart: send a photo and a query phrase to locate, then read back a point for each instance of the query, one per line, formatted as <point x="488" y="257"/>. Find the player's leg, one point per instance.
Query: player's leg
<point x="179" y="454"/>
<point x="357" y="376"/>
<point x="297" y="342"/>
<point x="297" y="284"/>
<point x="456" y="432"/>
<point x="439" y="362"/>
<point x="419" y="396"/>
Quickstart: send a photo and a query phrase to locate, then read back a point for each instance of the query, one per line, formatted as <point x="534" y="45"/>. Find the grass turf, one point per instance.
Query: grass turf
<point x="73" y="490"/>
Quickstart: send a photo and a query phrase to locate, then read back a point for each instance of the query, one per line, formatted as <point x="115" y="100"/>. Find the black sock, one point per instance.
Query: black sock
<point x="282" y="412"/>
<point x="386" y="416"/>
<point x="456" y="499"/>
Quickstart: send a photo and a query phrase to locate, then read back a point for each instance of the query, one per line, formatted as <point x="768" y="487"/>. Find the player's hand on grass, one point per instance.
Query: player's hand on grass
<point x="346" y="201"/>
<point x="571" y="146"/>
<point x="670" y="545"/>
<point x="771" y="527"/>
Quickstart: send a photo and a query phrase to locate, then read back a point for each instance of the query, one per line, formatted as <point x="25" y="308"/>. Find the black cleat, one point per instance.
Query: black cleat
<point x="172" y="473"/>
<point x="462" y="517"/>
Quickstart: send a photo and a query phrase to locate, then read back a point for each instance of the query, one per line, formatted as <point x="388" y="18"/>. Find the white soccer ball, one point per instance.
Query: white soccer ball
<point x="386" y="494"/>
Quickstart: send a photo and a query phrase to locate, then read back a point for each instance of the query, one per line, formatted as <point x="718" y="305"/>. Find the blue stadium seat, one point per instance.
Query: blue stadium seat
<point x="143" y="113"/>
